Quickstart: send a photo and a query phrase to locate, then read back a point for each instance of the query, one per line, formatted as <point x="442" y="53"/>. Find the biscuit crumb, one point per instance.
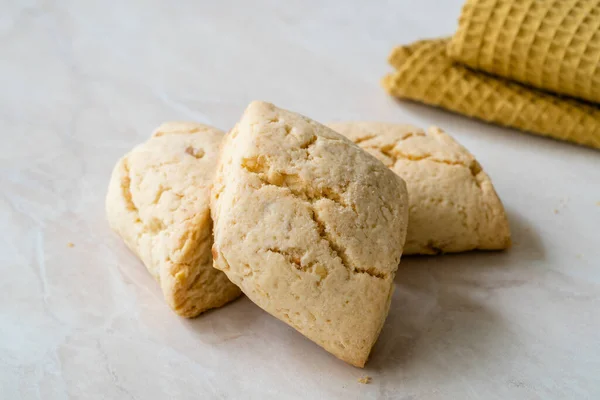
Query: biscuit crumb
<point x="555" y="211"/>
<point x="70" y="244"/>
<point x="598" y="203"/>
<point x="365" y="380"/>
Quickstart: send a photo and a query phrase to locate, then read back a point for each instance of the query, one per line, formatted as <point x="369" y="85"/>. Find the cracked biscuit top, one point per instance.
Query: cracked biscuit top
<point x="453" y="204"/>
<point x="310" y="227"/>
<point x="158" y="202"/>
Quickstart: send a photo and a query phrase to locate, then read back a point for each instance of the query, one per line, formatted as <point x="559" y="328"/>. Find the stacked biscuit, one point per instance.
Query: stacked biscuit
<point x="308" y="221"/>
<point x="528" y="64"/>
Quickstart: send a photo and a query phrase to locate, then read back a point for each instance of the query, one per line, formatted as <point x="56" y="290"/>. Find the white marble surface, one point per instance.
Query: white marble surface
<point x="83" y="81"/>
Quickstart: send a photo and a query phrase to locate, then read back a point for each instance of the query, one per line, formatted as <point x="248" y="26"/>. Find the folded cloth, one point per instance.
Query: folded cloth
<point x="426" y="74"/>
<point x="552" y="45"/>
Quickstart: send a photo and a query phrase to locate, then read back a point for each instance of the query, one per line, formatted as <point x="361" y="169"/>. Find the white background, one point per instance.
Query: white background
<point x="81" y="82"/>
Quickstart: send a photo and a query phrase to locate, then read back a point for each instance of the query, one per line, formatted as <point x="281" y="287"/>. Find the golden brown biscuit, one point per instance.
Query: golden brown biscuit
<point x="453" y="204"/>
<point x="310" y="227"/>
<point x="158" y="202"/>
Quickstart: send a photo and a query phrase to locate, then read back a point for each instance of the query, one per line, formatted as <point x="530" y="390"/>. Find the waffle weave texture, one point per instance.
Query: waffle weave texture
<point x="426" y="74"/>
<point x="552" y="45"/>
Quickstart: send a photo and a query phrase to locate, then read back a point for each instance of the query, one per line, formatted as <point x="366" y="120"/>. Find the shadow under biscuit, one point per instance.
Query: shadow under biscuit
<point x="435" y="319"/>
<point x="225" y="324"/>
<point x="526" y="243"/>
<point x="445" y="307"/>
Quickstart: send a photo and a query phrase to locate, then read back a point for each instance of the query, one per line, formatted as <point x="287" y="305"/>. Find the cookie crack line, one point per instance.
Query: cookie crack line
<point x="336" y="250"/>
<point x="474" y="167"/>
<point x="290" y="182"/>
<point x="290" y="256"/>
<point x="339" y="252"/>
<point x="279" y="180"/>
<point x="364" y="138"/>
<point x="371" y="272"/>
<point x="406" y="136"/>
<point x="294" y="258"/>
<point x="126" y="191"/>
<point x="129" y="204"/>
<point x="155" y="225"/>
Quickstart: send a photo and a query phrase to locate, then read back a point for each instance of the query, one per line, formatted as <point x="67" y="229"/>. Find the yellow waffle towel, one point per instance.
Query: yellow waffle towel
<point x="424" y="73"/>
<point x="553" y="45"/>
<point x="520" y="45"/>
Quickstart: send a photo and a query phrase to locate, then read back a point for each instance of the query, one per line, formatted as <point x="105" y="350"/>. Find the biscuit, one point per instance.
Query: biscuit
<point x="310" y="227"/>
<point x="453" y="206"/>
<point x="158" y="202"/>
